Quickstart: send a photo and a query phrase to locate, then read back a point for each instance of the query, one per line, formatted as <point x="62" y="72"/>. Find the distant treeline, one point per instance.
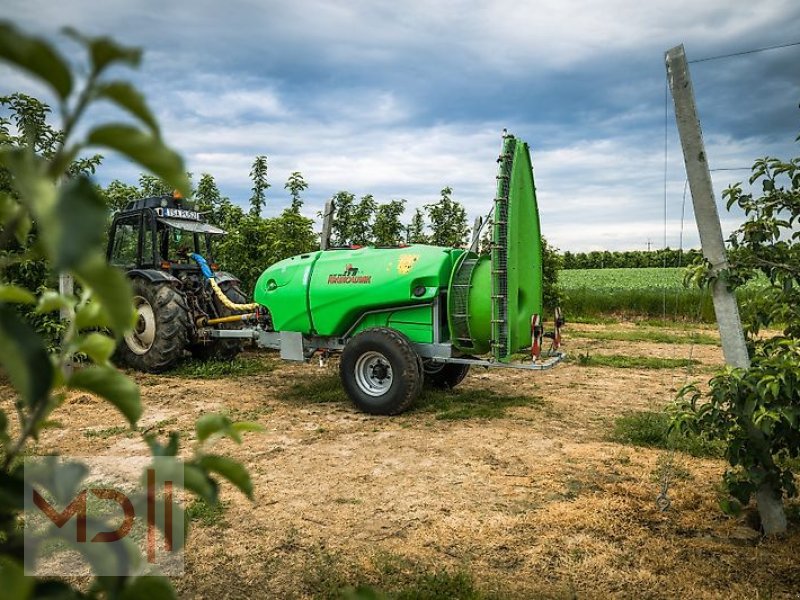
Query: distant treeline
<point x="630" y="259"/>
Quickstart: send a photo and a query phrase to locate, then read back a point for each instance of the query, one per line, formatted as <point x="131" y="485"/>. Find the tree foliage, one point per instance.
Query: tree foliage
<point x="258" y="174"/>
<point x="296" y="186"/>
<point x="756" y="411"/>
<point x="448" y="221"/>
<point x="42" y="192"/>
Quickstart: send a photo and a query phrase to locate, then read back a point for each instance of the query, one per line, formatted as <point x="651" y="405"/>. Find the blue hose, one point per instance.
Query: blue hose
<point x="203" y="264"/>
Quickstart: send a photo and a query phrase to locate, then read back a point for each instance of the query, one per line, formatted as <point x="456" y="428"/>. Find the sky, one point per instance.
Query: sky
<point x="401" y="98"/>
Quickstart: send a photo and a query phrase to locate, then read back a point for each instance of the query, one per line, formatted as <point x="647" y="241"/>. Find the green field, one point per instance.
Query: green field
<point x="647" y="292"/>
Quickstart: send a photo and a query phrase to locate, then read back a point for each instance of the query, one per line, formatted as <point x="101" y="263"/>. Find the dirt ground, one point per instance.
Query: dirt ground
<point x="535" y="504"/>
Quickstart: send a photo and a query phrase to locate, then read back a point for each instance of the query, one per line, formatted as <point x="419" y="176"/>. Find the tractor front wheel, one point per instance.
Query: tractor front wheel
<point x="379" y="371"/>
<point x="161" y="332"/>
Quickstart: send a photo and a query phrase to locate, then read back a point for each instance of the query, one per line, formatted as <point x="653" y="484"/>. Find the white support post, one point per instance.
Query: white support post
<point x="327" y="225"/>
<point x="734" y="349"/>
<point x="705" y="207"/>
<point x="66" y="287"/>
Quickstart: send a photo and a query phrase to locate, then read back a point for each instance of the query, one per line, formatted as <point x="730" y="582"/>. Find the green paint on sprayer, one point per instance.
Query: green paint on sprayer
<point x="523" y="249"/>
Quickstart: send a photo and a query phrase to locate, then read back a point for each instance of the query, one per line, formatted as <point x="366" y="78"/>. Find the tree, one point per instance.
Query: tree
<point x="363" y="215"/>
<point x="117" y="194"/>
<point x="70" y="218"/>
<point x="153" y="186"/>
<point x="755" y="412"/>
<point x="415" y="231"/>
<point x="296" y="185"/>
<point x="448" y="221"/>
<point x="552" y="263"/>
<point x="260" y="185"/>
<point x="343" y="218"/>
<point x="388" y="229"/>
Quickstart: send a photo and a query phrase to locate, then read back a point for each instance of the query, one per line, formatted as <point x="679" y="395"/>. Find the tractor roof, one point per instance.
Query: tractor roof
<point x="167" y="201"/>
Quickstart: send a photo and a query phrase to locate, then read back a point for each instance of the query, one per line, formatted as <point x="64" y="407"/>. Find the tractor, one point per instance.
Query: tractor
<point x="178" y="294"/>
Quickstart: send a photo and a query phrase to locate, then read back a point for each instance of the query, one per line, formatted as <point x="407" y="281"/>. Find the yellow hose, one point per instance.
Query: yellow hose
<point x="227" y="302"/>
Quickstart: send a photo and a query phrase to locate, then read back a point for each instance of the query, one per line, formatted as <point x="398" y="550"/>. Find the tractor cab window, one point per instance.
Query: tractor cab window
<point x="177" y="245"/>
<point x="126" y="242"/>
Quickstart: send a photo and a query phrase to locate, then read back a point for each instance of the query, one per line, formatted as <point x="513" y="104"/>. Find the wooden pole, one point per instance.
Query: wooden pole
<point x="770" y="505"/>
<point x="327" y="225"/>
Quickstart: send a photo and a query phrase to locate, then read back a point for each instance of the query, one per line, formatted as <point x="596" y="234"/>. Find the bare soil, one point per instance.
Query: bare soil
<point x="537" y="504"/>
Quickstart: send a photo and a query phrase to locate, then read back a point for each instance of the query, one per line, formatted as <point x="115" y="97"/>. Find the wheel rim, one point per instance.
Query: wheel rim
<point x="140" y="339"/>
<point x="373" y="373"/>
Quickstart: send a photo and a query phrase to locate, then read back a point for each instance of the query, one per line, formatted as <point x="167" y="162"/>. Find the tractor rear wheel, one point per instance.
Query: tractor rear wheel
<point x="444" y="376"/>
<point x="223" y="348"/>
<point x="379" y="371"/>
<point x="161" y="332"/>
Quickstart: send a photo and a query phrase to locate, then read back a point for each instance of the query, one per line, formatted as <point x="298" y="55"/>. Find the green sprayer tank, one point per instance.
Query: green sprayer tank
<point x="452" y="307"/>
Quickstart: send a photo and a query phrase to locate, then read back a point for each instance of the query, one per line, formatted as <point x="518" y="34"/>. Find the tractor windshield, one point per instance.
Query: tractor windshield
<point x="180" y="239"/>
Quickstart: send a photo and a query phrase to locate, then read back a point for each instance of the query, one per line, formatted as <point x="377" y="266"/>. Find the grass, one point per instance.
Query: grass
<point x="651" y="429"/>
<point x="389" y="576"/>
<point x="660" y="337"/>
<point x="220" y="369"/>
<point x="207" y="515"/>
<point x="108" y="432"/>
<point x="465" y="403"/>
<point x="447" y="405"/>
<point x="649" y="292"/>
<point x="621" y="361"/>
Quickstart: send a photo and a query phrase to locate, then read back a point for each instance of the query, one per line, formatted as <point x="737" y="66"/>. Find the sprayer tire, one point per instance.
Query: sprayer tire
<point x="161" y="333"/>
<point x="223" y="349"/>
<point x="398" y="381"/>
<point x="445" y="376"/>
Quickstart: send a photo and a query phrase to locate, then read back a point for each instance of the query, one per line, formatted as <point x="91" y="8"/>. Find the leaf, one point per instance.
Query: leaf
<point x="231" y="470"/>
<point x="246" y="426"/>
<point x="196" y="480"/>
<point x="127" y="97"/>
<point x="81" y="216"/>
<point x="152" y="587"/>
<point x="208" y="425"/>
<point x="98" y="347"/>
<point x="112" y="385"/>
<point x="14" y="294"/>
<point x="104" y="51"/>
<point x="36" y="57"/>
<point x="111" y="289"/>
<point x="145" y="150"/>
<point x="13" y="581"/>
<point x="51" y="301"/>
<point x="24" y="358"/>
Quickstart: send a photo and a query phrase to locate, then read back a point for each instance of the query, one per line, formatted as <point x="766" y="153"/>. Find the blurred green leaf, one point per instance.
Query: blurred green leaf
<point x="152" y="587"/>
<point x="81" y="215"/>
<point x="13" y="581"/>
<point x="112" y="385"/>
<point x="24" y="358"/>
<point x="104" y="51"/>
<point x="51" y="301"/>
<point x="13" y="294"/>
<point x="145" y="150"/>
<point x="113" y="291"/>
<point x="210" y="424"/>
<point x="97" y="346"/>
<point x="196" y="480"/>
<point x="36" y="57"/>
<point x="127" y="97"/>
<point x="231" y="470"/>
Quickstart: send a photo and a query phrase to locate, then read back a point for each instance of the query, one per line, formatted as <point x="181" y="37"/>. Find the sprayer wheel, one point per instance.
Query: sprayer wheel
<point x="223" y="348"/>
<point x="161" y="332"/>
<point x="380" y="372"/>
<point x="444" y="376"/>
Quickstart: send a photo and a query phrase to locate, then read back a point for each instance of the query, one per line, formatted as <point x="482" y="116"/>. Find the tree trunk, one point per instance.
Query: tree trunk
<point x="770" y="509"/>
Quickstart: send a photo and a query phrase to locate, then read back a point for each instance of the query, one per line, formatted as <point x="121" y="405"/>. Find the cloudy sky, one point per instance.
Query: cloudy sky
<point x="402" y="98"/>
